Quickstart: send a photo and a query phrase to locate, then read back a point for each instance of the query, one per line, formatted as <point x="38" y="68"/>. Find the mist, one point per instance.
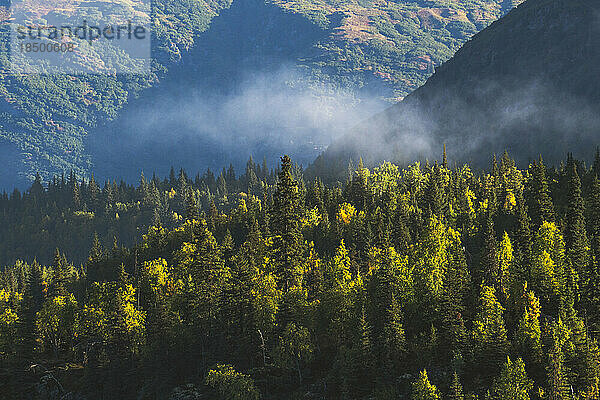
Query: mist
<point x="528" y="88"/>
<point x="527" y="119"/>
<point x="265" y="114"/>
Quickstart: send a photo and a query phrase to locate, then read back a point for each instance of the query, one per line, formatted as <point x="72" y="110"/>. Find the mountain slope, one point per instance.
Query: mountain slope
<point x="356" y="50"/>
<point x="527" y="84"/>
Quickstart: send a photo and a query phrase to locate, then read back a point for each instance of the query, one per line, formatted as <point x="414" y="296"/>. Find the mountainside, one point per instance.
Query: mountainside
<point x="528" y="84"/>
<point x="333" y="56"/>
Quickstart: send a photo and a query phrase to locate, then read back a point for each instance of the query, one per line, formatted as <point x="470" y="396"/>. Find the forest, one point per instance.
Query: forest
<point x="427" y="281"/>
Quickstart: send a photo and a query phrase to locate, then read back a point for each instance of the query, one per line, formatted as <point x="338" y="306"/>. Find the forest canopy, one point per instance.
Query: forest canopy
<point x="423" y="282"/>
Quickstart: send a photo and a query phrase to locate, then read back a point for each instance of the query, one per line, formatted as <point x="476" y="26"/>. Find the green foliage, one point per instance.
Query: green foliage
<point x="422" y="389"/>
<point x="297" y="304"/>
<point x="489" y="333"/>
<point x="456" y="389"/>
<point x="513" y="382"/>
<point x="232" y="385"/>
<point x="56" y="322"/>
<point x="294" y="349"/>
<point x="8" y="320"/>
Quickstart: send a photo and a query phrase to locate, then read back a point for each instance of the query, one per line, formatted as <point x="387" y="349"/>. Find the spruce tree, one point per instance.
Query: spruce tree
<point x="422" y="389"/>
<point x="575" y="232"/>
<point x="456" y="389"/>
<point x="524" y="240"/>
<point x="33" y="299"/>
<point x="489" y="336"/>
<point x="435" y="198"/>
<point x="557" y="372"/>
<point x="60" y="276"/>
<point x="191" y="208"/>
<point x="540" y="203"/>
<point x="513" y="383"/>
<point x="285" y="217"/>
<point x="489" y="257"/>
<point x="453" y="305"/>
<point x="94" y="259"/>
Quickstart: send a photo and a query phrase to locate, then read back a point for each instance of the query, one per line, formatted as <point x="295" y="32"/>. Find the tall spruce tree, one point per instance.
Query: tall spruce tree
<point x="489" y="336"/>
<point x="489" y="257"/>
<point x="60" y="276"/>
<point x="456" y="389"/>
<point x="33" y="299"/>
<point x="422" y="389"/>
<point x="285" y="217"/>
<point x="558" y="387"/>
<point x="513" y="383"/>
<point x="575" y="229"/>
<point x="524" y="238"/>
<point x="540" y="203"/>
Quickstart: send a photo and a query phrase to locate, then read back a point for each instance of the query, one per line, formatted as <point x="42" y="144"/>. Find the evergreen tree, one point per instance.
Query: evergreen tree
<point x="33" y="299"/>
<point x="575" y="229"/>
<point x="591" y="285"/>
<point x="528" y="337"/>
<point x="422" y="389"/>
<point x="453" y="304"/>
<point x="285" y="222"/>
<point x="513" y="383"/>
<point x="456" y="389"/>
<point x="94" y="259"/>
<point x="523" y="243"/>
<point x="558" y="384"/>
<point x="60" y="278"/>
<point x="435" y="199"/>
<point x="540" y="203"/>
<point x="489" y="335"/>
<point x="191" y="208"/>
<point x="489" y="258"/>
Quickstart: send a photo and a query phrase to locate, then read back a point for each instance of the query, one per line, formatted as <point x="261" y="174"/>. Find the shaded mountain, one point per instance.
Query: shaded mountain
<point x="270" y="77"/>
<point x="341" y="54"/>
<point x="527" y="84"/>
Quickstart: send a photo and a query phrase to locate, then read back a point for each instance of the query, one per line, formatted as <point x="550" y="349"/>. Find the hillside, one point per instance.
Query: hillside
<point x="423" y="283"/>
<point x="528" y="83"/>
<point x="345" y="53"/>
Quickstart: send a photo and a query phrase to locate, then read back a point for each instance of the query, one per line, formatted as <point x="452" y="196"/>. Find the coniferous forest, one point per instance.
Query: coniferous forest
<point x="432" y="281"/>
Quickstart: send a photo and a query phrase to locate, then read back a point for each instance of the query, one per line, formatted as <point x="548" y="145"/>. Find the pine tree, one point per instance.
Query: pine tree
<point x="94" y="259"/>
<point x="575" y="230"/>
<point x="32" y="302"/>
<point x="558" y="384"/>
<point x="60" y="278"/>
<point x="452" y="304"/>
<point x="456" y="389"/>
<point x="583" y="358"/>
<point x="489" y="335"/>
<point x="513" y="383"/>
<point x="596" y="165"/>
<point x="591" y="277"/>
<point x="489" y="258"/>
<point x="75" y="191"/>
<point x="191" y="208"/>
<point x="540" y="203"/>
<point x="549" y="274"/>
<point x="523" y="245"/>
<point x="435" y="199"/>
<point x="365" y="356"/>
<point x="444" y="158"/>
<point x="422" y="389"/>
<point x="285" y="218"/>
<point x="385" y="315"/>
<point x="358" y="189"/>
<point x="529" y="337"/>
